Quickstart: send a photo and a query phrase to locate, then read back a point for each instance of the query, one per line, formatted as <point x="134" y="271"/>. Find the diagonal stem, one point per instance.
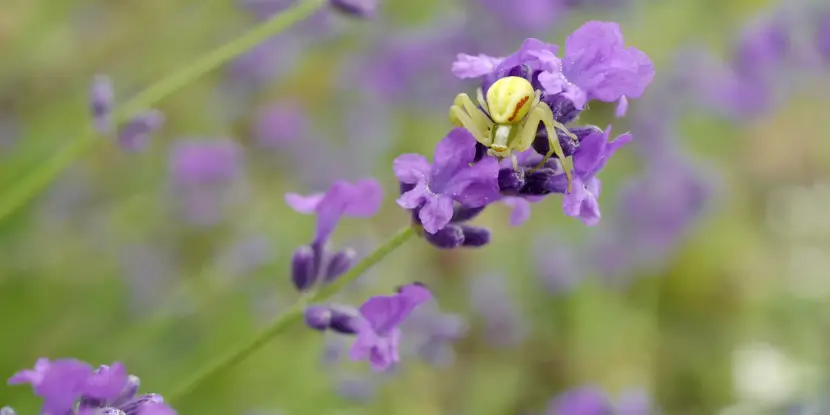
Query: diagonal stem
<point x="293" y="314"/>
<point x="35" y="181"/>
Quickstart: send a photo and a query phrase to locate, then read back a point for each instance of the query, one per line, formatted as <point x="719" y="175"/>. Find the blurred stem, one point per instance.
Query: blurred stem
<point x="293" y="314"/>
<point x="31" y="184"/>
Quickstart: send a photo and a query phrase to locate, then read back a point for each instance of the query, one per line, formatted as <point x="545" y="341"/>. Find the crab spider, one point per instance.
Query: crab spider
<point x="508" y="121"/>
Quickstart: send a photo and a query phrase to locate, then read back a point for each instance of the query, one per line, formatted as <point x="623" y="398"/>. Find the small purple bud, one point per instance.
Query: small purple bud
<point x="463" y="213"/>
<point x="475" y="236"/>
<point x="135" y="135"/>
<point x="511" y="181"/>
<point x="102" y="100"/>
<point x="339" y="263"/>
<point x="302" y="268"/>
<point x="7" y="411"/>
<point x="449" y="237"/>
<point x="357" y="8"/>
<point x="342" y="319"/>
<point x="318" y="317"/>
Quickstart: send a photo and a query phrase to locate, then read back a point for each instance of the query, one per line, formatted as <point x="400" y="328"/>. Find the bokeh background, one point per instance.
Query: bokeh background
<point x="704" y="288"/>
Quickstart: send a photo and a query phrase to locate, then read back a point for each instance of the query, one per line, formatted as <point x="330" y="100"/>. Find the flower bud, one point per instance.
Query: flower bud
<point x="317" y="317"/>
<point x="475" y="236"/>
<point x="302" y="268"/>
<point x="339" y="263"/>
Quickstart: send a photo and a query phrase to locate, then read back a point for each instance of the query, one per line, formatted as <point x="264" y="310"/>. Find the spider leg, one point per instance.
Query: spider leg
<point x="464" y="101"/>
<point x="481" y="100"/>
<point x="553" y="140"/>
<point x="461" y="118"/>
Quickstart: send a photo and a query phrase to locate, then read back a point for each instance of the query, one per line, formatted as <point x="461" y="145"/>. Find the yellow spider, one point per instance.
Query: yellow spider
<point x="516" y="111"/>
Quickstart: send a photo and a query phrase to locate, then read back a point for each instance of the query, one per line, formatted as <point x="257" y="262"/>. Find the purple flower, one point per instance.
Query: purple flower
<point x="597" y="65"/>
<point x="102" y="101"/>
<point x="135" y="134"/>
<point x="468" y="66"/>
<point x="581" y="401"/>
<point x="504" y="324"/>
<point x="432" y="334"/>
<point x="591" y="156"/>
<point x="358" y="8"/>
<point x="449" y="179"/>
<point x="378" y="335"/>
<point x="71" y="387"/>
<point x="280" y="125"/>
<point x="823" y="36"/>
<point x="361" y="199"/>
<point x="761" y="49"/>
<point x="527" y="15"/>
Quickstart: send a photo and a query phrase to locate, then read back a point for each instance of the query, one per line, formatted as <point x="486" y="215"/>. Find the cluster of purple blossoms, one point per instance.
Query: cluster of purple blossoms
<point x="72" y="387"/>
<point x="135" y="134"/>
<point x="461" y="180"/>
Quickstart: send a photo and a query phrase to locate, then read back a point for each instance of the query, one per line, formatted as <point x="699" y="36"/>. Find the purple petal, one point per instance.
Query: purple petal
<point x="436" y="212"/>
<point x="597" y="61"/>
<point x="572" y="202"/>
<point x="62" y="385"/>
<point x="452" y="153"/>
<point x="582" y="401"/>
<point x="521" y="210"/>
<point x="107" y="382"/>
<point x="411" y="168"/>
<point x="156" y="408"/>
<point x="468" y="66"/>
<point x="32" y="377"/>
<point x="414" y="198"/>
<point x="622" y="107"/>
<point x="384" y="313"/>
<point x="304" y="204"/>
<point x="475" y="185"/>
<point x="525" y="55"/>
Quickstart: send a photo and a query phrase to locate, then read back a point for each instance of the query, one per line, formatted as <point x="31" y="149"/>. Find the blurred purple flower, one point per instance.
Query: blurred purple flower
<point x="634" y="402"/>
<point x="247" y="255"/>
<point x="135" y="134"/>
<point x="823" y="36"/>
<point x="361" y="199"/>
<point x="760" y="49"/>
<point x="449" y="179"/>
<point x="503" y="321"/>
<point x="280" y="125"/>
<point x="432" y="333"/>
<point x="591" y="156"/>
<point x="378" y="335"/>
<point x="581" y="401"/>
<point x="597" y="65"/>
<point x="560" y="266"/>
<point x="533" y="16"/>
<point x="71" y="387"/>
<point x="207" y="178"/>
<point x="102" y="101"/>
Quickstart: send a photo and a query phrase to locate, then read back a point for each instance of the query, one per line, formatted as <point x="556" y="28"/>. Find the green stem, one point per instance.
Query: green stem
<point x="33" y="183"/>
<point x="293" y="314"/>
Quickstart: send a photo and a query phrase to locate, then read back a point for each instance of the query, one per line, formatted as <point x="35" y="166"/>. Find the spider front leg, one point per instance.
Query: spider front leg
<point x="542" y="113"/>
<point x="465" y="114"/>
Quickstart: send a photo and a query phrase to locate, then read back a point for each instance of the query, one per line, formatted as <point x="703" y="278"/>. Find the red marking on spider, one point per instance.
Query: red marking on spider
<point x="518" y="107"/>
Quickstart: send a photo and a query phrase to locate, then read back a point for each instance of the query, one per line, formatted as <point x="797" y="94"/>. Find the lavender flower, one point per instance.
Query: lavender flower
<point x="72" y="387"/>
<point x="590" y="400"/>
<point x="279" y="125"/>
<point x="823" y="36"/>
<point x="450" y="179"/>
<point x="375" y="324"/>
<point x="591" y="156"/>
<point x="526" y="15"/>
<point x="206" y="178"/>
<point x="361" y="199"/>
<point x="432" y="334"/>
<point x="378" y="335"/>
<point x="102" y="101"/>
<point x="135" y="134"/>
<point x="503" y="322"/>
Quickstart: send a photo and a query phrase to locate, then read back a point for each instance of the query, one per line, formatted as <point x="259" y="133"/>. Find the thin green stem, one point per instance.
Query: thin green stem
<point x="293" y="314"/>
<point x="34" y="182"/>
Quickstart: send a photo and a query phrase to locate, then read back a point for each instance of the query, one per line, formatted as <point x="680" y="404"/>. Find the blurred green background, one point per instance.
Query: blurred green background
<point x="100" y="267"/>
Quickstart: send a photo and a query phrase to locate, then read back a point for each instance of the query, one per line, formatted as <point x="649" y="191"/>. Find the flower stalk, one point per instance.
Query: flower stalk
<point x="37" y="179"/>
<point x="294" y="314"/>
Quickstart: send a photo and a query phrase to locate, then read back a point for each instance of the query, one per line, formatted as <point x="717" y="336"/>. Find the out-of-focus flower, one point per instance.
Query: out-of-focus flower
<point x="376" y="324"/>
<point x="591" y="400"/>
<point x="102" y="101"/>
<point x="823" y="36"/>
<point x="206" y="176"/>
<point x="72" y="387"/>
<point x="560" y="266"/>
<point x="503" y="321"/>
<point x="449" y="179"/>
<point x="431" y="334"/>
<point x="533" y="16"/>
<point x="763" y="375"/>
<point x="280" y="125"/>
<point x="135" y="134"/>
<point x="246" y="255"/>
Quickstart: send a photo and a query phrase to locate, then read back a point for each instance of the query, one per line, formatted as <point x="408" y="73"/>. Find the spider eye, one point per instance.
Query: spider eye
<point x="509" y="99"/>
